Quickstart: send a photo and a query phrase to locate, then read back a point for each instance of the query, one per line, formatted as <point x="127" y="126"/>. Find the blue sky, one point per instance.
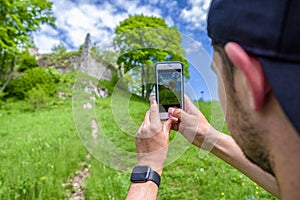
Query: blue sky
<point x="76" y="18"/>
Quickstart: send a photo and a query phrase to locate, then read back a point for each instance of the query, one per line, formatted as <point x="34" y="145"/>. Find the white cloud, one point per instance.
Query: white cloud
<point x="49" y="30"/>
<point x="75" y="20"/>
<point x="170" y="21"/>
<point x="196" y="15"/>
<point x="171" y="5"/>
<point x="133" y="8"/>
<point x="45" y="43"/>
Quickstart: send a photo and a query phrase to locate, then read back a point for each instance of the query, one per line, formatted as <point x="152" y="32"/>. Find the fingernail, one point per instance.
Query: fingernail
<point x="152" y="101"/>
<point x="171" y="110"/>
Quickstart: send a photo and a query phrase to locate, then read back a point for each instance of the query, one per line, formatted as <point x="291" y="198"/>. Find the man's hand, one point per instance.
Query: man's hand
<point x="191" y="123"/>
<point x="152" y="139"/>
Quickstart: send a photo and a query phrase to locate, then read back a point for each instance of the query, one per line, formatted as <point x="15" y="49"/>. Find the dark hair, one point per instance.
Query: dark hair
<point x="228" y="66"/>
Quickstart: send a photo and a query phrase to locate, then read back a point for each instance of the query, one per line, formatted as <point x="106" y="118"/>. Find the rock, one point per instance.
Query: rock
<point x="74" y="61"/>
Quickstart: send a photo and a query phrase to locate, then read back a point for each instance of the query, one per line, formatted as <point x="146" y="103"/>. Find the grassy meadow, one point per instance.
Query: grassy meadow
<point x="41" y="150"/>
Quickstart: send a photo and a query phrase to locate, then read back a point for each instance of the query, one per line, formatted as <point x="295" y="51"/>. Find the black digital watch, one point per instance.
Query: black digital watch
<point x="142" y="174"/>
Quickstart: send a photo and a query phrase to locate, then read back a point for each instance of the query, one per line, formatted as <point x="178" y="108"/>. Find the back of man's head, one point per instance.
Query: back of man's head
<point x="269" y="30"/>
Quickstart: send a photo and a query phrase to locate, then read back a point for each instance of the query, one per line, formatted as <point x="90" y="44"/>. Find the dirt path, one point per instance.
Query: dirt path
<point x="74" y="185"/>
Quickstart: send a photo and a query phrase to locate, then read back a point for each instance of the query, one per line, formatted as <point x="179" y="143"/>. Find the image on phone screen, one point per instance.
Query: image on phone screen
<point x="169" y="89"/>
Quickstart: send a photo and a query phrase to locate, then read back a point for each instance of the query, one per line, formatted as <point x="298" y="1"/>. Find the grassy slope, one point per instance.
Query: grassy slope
<point x="192" y="176"/>
<point x="40" y="150"/>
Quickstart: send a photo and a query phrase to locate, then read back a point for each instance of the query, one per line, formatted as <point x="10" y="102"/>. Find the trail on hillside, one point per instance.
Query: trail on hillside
<point x="75" y="185"/>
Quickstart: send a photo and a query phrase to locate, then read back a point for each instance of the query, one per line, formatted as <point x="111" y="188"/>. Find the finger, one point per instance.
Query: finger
<point x="177" y="113"/>
<point x="152" y="99"/>
<point x="145" y="123"/>
<point x="140" y="130"/>
<point x="167" y="127"/>
<point x="154" y="114"/>
<point x="174" y="123"/>
<point x="190" y="107"/>
<point x="174" y="119"/>
<point x="147" y="118"/>
<point x="175" y="126"/>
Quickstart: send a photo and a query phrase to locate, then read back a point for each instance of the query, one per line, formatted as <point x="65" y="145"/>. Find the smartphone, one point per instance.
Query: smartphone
<point x="169" y="86"/>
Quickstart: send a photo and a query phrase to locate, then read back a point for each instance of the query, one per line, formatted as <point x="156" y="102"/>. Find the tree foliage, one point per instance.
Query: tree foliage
<point x="143" y="41"/>
<point x="26" y="61"/>
<point x="107" y="57"/>
<point x="59" y="48"/>
<point x="18" y="20"/>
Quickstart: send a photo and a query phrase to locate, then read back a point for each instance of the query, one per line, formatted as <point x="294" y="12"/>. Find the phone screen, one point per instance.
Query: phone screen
<point x="169" y="88"/>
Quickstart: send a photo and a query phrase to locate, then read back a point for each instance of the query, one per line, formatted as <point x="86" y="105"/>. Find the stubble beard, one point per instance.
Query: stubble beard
<point x="251" y="140"/>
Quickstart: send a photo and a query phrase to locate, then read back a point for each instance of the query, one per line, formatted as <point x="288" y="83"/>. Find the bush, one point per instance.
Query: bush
<point x="37" y="98"/>
<point x="46" y="79"/>
<point x="27" y="61"/>
<point x="2" y="103"/>
<point x="65" y="86"/>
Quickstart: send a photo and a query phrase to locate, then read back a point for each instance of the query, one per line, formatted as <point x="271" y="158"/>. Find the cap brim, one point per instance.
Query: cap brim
<point x="284" y="80"/>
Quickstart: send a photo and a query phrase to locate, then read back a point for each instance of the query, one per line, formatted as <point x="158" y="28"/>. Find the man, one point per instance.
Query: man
<point x="257" y="61"/>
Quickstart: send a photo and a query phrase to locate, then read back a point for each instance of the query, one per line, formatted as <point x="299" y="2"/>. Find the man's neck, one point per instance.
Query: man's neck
<point x="285" y="157"/>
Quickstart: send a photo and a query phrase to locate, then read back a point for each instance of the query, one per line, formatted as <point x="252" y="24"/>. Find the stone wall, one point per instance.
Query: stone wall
<point x="65" y="63"/>
<point x="90" y="65"/>
<point x="83" y="62"/>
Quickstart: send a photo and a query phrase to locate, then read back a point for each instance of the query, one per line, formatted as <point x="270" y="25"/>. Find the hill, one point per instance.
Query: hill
<point x="40" y="151"/>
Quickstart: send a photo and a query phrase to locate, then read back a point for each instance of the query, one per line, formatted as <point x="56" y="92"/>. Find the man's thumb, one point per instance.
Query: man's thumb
<point x="177" y="113"/>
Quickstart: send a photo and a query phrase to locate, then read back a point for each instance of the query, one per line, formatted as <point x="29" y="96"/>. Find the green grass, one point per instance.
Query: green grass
<point x="194" y="175"/>
<point x="39" y="151"/>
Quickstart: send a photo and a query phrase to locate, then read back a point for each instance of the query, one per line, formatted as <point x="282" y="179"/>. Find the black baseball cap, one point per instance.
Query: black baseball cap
<point x="270" y="30"/>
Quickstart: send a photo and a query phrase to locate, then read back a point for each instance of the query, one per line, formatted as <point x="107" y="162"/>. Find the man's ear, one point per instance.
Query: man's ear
<point x="252" y="70"/>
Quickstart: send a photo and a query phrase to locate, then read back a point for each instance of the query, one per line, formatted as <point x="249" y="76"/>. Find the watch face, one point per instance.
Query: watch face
<point x="140" y="174"/>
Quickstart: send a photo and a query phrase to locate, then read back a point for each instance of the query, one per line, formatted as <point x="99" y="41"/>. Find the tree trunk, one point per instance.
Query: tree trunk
<point x="147" y="83"/>
<point x="2" y="66"/>
<point x="147" y="92"/>
<point x="143" y="83"/>
<point x="149" y="89"/>
<point x="9" y="75"/>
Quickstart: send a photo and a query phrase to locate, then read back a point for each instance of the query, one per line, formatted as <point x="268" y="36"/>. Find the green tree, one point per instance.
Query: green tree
<point x="143" y="41"/>
<point x="26" y="61"/>
<point x="59" y="48"/>
<point x="18" y="20"/>
<point x="107" y="57"/>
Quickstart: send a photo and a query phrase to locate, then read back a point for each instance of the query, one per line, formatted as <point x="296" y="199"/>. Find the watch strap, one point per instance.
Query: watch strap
<point x="155" y="177"/>
<point x="141" y="174"/>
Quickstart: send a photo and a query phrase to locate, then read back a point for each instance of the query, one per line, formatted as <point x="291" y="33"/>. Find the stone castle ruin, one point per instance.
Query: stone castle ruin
<point x="83" y="62"/>
<point x="92" y="66"/>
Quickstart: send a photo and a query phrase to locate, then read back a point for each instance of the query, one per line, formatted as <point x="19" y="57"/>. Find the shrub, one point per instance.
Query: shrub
<point x="27" y="61"/>
<point x="2" y="95"/>
<point x="46" y="79"/>
<point x="67" y="81"/>
<point x="37" y="98"/>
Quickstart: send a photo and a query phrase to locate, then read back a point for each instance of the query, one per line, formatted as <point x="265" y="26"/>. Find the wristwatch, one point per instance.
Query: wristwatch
<point x="142" y="174"/>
